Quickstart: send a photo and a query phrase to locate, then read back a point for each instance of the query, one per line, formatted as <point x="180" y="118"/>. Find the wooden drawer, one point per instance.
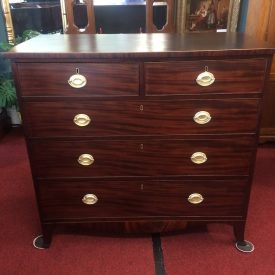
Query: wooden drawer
<point x="231" y="76"/>
<point x="154" y="157"/>
<point x="113" y="118"/>
<point x="62" y="199"/>
<point x="51" y="79"/>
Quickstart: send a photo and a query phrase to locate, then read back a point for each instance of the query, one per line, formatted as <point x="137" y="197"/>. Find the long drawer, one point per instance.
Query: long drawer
<point x="51" y="79"/>
<point x="111" y="199"/>
<point x="231" y="76"/>
<point x="154" y="157"/>
<point x="113" y="118"/>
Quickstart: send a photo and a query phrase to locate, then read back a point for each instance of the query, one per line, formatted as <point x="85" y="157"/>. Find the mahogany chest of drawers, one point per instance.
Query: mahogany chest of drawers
<point x="145" y="127"/>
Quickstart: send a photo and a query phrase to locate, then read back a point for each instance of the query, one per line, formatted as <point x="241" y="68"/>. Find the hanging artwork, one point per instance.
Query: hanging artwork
<point x="211" y="15"/>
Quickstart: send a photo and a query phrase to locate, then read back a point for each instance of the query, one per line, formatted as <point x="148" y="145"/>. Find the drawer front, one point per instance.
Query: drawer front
<point x="102" y="79"/>
<point x="154" y="157"/>
<point x="106" y="118"/>
<point x="231" y="76"/>
<point x="122" y="199"/>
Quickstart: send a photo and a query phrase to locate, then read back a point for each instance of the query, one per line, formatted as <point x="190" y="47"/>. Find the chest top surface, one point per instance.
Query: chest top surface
<point x="139" y="46"/>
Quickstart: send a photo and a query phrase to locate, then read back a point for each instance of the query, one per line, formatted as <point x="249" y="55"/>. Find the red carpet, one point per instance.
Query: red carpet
<point x="211" y="252"/>
<point x="69" y="254"/>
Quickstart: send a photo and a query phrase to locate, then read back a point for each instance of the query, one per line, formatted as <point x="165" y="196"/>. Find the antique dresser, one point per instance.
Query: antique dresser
<point x="141" y="127"/>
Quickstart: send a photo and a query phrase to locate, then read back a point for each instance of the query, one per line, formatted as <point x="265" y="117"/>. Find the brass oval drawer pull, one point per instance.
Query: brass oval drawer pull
<point x="77" y="81"/>
<point x="86" y="159"/>
<point x="195" y="198"/>
<point x="82" y="120"/>
<point x="202" y="117"/>
<point x="90" y="199"/>
<point x="205" y="79"/>
<point x="199" y="158"/>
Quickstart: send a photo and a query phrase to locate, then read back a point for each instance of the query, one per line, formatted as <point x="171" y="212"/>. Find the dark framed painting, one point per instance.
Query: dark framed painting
<point x="212" y="15"/>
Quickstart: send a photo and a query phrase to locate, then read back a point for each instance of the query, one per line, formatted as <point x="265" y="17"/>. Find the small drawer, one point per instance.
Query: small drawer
<point x="113" y="199"/>
<point x="117" y="118"/>
<point x="230" y="76"/>
<point x="154" y="157"/>
<point x="52" y="79"/>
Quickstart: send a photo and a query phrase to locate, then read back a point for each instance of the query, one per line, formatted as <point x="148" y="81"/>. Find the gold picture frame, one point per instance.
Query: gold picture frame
<point x="183" y="12"/>
<point x="8" y="20"/>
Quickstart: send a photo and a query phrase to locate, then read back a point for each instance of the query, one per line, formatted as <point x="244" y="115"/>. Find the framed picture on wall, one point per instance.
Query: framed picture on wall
<point x="212" y="15"/>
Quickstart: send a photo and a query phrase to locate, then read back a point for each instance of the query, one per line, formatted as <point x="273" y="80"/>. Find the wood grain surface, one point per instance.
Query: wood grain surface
<point x="231" y="76"/>
<point x="140" y="199"/>
<point x="102" y="79"/>
<point x="156" y="45"/>
<point x="154" y="157"/>
<point x="142" y="117"/>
